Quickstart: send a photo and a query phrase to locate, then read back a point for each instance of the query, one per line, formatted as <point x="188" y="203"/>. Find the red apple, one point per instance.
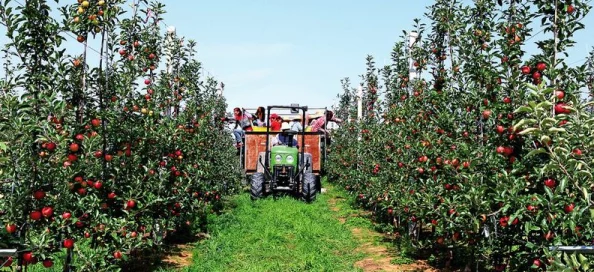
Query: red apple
<point x="50" y="146"/>
<point x="486" y="114"/>
<point x="11" y="228"/>
<point x="35" y="215"/>
<point x="526" y="69"/>
<point x="560" y="108"/>
<point x="68" y="243"/>
<point x="550" y="183"/>
<point x="117" y="255"/>
<point x="500" y="129"/>
<point x="130" y="204"/>
<point x="47" y="263"/>
<point x="96" y="122"/>
<point x="74" y="147"/>
<point x="541" y="66"/>
<point x="47" y="212"/>
<point x="66" y="215"/>
<point x="8" y="262"/>
<point x="28" y="257"/>
<point x="39" y="194"/>
<point x="536" y="75"/>
<point x="569" y="208"/>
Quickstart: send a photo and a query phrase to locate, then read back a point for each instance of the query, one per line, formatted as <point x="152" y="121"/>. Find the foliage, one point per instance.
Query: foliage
<point x="488" y="149"/>
<point x="95" y="165"/>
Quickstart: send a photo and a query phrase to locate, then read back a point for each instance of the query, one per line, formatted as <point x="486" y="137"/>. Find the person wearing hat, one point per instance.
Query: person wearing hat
<point x="320" y="123"/>
<point x="282" y="138"/>
<point x="275" y="122"/>
<point x="296" y="124"/>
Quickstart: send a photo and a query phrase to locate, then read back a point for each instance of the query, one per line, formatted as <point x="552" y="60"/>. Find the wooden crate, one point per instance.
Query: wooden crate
<point x="255" y="142"/>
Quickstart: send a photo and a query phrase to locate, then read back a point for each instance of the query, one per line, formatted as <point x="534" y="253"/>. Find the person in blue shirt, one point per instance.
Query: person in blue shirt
<point x="282" y="138"/>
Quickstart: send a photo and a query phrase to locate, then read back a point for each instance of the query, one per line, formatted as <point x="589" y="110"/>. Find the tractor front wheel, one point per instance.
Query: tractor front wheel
<point x="257" y="188"/>
<point x="309" y="187"/>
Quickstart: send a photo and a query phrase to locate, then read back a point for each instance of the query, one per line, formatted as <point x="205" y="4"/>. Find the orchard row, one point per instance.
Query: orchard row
<point x="488" y="153"/>
<point x="111" y="149"/>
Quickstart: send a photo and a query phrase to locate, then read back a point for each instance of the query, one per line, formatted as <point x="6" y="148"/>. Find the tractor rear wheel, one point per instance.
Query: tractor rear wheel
<point x="257" y="188"/>
<point x="309" y="189"/>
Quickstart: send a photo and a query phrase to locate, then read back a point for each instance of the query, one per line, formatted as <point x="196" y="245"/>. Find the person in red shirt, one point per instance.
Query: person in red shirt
<point x="275" y="122"/>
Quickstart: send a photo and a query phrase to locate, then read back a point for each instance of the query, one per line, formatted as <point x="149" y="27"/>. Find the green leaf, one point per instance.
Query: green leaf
<point x="549" y="193"/>
<point x="544" y="105"/>
<point x="563" y="184"/>
<point x="561" y="150"/>
<point x="523" y="109"/>
<point x="584" y="173"/>
<point x="544" y="139"/>
<point x="554" y="129"/>
<point x="540" y="150"/>
<point x="528" y="131"/>
<point x="547" y="121"/>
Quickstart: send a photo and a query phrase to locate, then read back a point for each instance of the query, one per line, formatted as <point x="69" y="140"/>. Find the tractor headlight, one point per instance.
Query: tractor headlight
<point x="278" y="158"/>
<point x="289" y="159"/>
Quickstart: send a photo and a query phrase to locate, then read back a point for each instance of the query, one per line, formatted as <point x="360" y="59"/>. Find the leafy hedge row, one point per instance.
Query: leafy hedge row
<point x="105" y="154"/>
<point x="490" y="150"/>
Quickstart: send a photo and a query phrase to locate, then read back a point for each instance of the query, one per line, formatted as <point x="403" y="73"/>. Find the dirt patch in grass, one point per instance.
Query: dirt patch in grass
<point x="179" y="257"/>
<point x="378" y="257"/>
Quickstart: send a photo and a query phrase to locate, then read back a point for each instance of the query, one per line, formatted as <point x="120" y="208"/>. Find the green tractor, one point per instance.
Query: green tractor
<point x="283" y="168"/>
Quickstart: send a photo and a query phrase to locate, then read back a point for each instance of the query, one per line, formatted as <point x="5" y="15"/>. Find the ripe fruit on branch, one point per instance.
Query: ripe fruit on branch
<point x="536" y="75"/>
<point x="11" y="228"/>
<point x="550" y="183"/>
<point x="541" y="66"/>
<point x="68" y="243"/>
<point x="486" y="114"/>
<point x="569" y="208"/>
<point x="35" y="215"/>
<point x="74" y="147"/>
<point x="526" y="70"/>
<point x="47" y="212"/>
<point x="39" y="194"/>
<point x="130" y="204"/>
<point x="560" y="108"/>
<point x="47" y="263"/>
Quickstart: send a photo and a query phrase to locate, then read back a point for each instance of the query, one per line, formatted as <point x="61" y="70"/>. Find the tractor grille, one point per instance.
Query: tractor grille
<point x="283" y="171"/>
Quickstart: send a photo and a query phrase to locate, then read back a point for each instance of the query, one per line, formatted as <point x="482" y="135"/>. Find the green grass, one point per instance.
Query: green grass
<point x="282" y="235"/>
<point x="277" y="235"/>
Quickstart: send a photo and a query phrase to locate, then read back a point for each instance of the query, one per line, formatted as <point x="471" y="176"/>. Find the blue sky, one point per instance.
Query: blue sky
<point x="282" y="52"/>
